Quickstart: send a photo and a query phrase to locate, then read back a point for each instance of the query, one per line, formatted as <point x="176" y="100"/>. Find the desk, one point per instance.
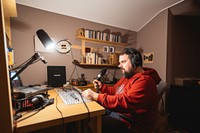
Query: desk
<point x="90" y="85"/>
<point x="50" y="116"/>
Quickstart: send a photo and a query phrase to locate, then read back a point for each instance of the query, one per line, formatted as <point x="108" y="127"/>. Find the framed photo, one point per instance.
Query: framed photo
<point x="112" y="50"/>
<point x="148" y="57"/>
<point x="105" y="49"/>
<point x="87" y="50"/>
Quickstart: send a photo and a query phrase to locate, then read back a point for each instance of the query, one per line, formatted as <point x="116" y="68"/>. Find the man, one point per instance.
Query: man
<point x="134" y="96"/>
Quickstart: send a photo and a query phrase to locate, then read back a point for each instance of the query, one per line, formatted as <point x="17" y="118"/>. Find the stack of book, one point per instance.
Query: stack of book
<point x="104" y="35"/>
<point x="93" y="58"/>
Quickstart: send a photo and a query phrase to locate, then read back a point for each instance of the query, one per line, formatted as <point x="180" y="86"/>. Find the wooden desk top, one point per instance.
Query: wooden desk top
<point x="90" y="85"/>
<point x="50" y="116"/>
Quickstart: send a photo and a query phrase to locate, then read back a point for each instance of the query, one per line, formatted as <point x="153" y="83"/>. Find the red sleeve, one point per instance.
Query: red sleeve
<point x="110" y="90"/>
<point x="138" y="93"/>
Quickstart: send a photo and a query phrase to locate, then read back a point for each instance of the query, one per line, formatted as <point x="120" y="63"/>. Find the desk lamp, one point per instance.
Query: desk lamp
<point x="24" y="102"/>
<point x="63" y="46"/>
<point x="46" y="41"/>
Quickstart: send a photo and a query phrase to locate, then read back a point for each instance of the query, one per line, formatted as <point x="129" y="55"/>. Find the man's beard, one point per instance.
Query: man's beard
<point x="128" y="74"/>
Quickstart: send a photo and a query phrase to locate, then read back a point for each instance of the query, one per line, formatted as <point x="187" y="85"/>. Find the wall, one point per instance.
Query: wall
<point x="153" y="38"/>
<point x="183" y="47"/>
<point x="59" y="27"/>
<point x="183" y="53"/>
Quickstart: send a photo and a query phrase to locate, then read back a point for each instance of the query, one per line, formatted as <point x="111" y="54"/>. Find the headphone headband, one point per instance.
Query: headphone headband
<point x="134" y="55"/>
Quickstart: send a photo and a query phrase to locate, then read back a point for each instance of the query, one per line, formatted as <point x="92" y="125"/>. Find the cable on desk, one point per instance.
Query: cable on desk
<point x="88" y="128"/>
<point x="83" y="101"/>
<point x="37" y="110"/>
<point x="89" y="131"/>
<point x="60" y="113"/>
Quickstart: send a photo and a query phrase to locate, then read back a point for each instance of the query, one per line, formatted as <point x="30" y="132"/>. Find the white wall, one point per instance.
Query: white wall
<point x="153" y="38"/>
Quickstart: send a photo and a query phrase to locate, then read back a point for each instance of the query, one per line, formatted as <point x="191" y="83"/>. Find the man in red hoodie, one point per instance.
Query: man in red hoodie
<point x="134" y="96"/>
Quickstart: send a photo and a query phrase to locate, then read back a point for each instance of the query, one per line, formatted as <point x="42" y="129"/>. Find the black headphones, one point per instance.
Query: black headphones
<point x="135" y="56"/>
<point x="37" y="101"/>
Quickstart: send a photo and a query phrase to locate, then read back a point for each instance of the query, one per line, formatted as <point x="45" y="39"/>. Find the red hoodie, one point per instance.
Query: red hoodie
<point x="136" y="98"/>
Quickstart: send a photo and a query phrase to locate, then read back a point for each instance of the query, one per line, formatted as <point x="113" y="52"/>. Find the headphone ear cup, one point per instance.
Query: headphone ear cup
<point x="135" y="57"/>
<point x="135" y="60"/>
<point x="37" y="101"/>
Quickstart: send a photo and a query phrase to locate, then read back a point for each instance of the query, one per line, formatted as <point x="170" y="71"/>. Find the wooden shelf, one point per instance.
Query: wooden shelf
<point x="97" y="65"/>
<point x="101" y="41"/>
<point x="85" y="40"/>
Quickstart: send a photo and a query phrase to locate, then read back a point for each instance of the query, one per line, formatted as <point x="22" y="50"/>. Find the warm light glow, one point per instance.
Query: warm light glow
<point x="50" y="46"/>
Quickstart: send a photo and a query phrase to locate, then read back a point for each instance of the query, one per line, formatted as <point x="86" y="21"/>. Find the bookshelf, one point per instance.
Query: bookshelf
<point x="85" y="40"/>
<point x="101" y="41"/>
<point x="97" y="65"/>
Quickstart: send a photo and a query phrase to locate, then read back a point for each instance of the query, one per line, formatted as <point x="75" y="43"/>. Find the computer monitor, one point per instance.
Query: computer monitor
<point x="56" y="76"/>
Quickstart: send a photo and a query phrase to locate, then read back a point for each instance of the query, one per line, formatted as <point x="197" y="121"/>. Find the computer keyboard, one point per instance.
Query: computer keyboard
<point x="71" y="95"/>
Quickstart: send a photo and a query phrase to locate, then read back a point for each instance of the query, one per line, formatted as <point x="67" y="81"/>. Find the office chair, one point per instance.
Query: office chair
<point x="161" y="88"/>
<point x="162" y="117"/>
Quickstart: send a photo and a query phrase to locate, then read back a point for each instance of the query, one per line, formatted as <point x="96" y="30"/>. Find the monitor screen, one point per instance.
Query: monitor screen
<point x="12" y="73"/>
<point x="16" y="82"/>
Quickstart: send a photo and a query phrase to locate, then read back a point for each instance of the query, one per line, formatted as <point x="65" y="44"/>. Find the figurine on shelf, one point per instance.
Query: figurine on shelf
<point x="82" y="81"/>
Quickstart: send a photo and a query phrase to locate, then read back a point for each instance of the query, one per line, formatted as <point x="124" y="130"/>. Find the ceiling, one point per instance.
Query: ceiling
<point x="126" y="14"/>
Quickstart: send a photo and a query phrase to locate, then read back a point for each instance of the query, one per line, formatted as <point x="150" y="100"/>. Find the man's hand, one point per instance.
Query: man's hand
<point x="90" y="94"/>
<point x="97" y="84"/>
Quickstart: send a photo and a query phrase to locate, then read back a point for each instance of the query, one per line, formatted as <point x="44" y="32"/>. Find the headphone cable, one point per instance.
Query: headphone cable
<point x="63" y="123"/>
<point x="90" y="131"/>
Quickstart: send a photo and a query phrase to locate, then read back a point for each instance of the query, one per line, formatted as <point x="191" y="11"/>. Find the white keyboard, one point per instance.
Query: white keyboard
<point x="71" y="95"/>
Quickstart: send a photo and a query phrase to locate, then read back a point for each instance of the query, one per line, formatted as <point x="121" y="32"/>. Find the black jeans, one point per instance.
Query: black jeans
<point x="111" y="122"/>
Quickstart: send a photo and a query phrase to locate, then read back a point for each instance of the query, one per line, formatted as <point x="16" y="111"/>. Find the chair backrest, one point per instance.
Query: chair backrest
<point x="161" y="87"/>
<point x="162" y="117"/>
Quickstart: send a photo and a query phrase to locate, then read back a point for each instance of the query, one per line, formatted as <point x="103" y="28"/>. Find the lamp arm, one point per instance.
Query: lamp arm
<point x="32" y="60"/>
<point x="18" y="72"/>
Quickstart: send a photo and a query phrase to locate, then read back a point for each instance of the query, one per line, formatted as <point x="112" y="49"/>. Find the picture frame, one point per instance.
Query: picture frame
<point x="112" y="50"/>
<point x="87" y="50"/>
<point x="105" y="49"/>
<point x="148" y="57"/>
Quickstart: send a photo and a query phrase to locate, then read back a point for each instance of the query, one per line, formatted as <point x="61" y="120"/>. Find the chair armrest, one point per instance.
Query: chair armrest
<point x="126" y="118"/>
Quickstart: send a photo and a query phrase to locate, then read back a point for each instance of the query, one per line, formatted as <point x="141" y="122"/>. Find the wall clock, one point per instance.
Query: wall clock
<point x="63" y="46"/>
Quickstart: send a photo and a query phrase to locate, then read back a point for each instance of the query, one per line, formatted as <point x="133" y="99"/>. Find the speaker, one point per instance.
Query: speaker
<point x="56" y="76"/>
